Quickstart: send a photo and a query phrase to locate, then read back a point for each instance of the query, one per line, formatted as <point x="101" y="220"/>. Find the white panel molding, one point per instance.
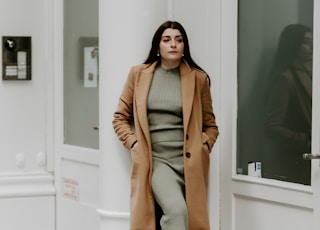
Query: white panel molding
<point x="80" y="154"/>
<point x="33" y="184"/>
<point x="104" y="214"/>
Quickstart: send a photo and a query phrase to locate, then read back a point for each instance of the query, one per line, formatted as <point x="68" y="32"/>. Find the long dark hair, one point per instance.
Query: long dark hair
<point x="152" y="57"/>
<point x="289" y="44"/>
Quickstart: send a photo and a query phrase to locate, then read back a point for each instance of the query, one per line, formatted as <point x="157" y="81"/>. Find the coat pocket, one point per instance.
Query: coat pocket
<point x="204" y="140"/>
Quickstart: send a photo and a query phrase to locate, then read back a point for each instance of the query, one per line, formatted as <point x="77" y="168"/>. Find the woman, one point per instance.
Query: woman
<point x="288" y="108"/>
<point x="165" y="117"/>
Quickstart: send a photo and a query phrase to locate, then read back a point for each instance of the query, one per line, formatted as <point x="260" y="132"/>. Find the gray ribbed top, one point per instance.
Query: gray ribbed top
<point x="165" y="106"/>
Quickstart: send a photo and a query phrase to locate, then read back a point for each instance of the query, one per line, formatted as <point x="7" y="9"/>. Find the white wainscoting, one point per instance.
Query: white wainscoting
<point x="27" y="201"/>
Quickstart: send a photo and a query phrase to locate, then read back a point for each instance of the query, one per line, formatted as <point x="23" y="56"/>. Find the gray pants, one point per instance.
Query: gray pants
<point x="169" y="192"/>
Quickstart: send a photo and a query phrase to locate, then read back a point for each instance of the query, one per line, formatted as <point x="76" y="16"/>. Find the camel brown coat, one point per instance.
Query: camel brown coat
<point x="200" y="133"/>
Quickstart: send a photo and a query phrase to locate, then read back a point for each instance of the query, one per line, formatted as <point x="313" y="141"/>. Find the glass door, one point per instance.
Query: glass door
<point x="275" y="49"/>
<point x="270" y="115"/>
<point x="77" y="155"/>
<point x="81" y="83"/>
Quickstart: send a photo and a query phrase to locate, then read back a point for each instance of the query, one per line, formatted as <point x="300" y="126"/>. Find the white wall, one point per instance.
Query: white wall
<point x="26" y="185"/>
<point x="23" y="103"/>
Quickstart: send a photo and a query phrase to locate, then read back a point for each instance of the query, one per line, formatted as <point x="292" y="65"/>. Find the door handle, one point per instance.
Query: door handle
<point x="310" y="156"/>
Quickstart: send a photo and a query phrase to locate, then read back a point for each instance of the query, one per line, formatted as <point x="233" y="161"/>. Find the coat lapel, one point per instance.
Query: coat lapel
<point x="143" y="83"/>
<point x="187" y="88"/>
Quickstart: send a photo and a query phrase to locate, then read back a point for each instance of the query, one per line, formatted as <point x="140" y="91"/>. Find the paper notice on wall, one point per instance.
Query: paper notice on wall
<point x="90" y="67"/>
<point x="70" y="189"/>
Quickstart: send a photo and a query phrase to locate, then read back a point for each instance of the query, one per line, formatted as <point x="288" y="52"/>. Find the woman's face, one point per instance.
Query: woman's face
<point x="306" y="48"/>
<point x="171" y="46"/>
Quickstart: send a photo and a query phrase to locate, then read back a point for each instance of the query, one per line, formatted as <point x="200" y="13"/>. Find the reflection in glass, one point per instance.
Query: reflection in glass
<point x="288" y="107"/>
<point x="274" y="88"/>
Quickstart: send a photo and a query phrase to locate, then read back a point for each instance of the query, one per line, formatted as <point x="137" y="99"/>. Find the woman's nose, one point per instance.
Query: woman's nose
<point x="173" y="43"/>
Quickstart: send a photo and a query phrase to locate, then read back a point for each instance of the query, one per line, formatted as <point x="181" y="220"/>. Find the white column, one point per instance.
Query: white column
<point x="126" y="28"/>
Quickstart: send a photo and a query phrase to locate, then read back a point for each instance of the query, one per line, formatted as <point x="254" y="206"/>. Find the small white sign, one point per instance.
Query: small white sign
<point x="91" y="67"/>
<point x="70" y="189"/>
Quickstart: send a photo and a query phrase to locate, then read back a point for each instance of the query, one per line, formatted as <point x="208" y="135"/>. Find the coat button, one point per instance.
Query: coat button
<point x="187" y="136"/>
<point x="188" y="155"/>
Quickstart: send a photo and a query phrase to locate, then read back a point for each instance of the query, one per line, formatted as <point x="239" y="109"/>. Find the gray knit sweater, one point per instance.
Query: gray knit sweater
<point x="165" y="106"/>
